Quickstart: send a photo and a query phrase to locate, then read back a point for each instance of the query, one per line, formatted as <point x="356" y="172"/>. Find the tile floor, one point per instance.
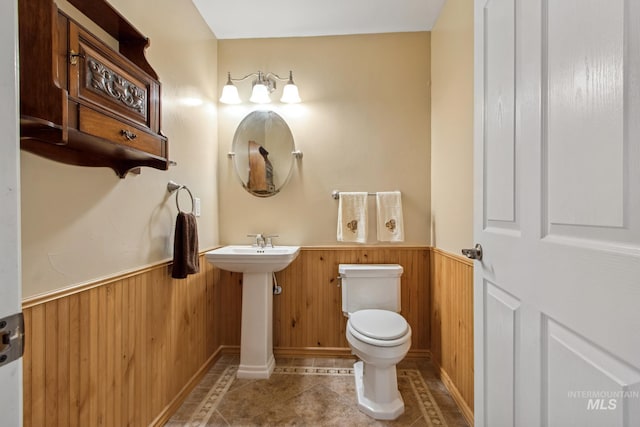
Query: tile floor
<point x="306" y="400"/>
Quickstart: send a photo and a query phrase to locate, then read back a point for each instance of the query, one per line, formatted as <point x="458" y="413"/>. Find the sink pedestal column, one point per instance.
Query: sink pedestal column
<point x="256" y="345"/>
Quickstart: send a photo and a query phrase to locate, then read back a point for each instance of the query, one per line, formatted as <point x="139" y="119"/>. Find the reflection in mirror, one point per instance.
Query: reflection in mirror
<point x="260" y="170"/>
<point x="263" y="147"/>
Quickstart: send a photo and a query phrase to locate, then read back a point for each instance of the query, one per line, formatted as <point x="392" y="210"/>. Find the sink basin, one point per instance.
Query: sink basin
<point x="252" y="259"/>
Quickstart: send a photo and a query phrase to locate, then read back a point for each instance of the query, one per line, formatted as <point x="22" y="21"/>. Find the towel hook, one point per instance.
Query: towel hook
<point x="172" y="186"/>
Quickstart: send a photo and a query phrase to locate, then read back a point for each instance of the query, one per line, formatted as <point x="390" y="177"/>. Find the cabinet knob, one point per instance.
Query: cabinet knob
<point x="128" y="135"/>
<point x="73" y="57"/>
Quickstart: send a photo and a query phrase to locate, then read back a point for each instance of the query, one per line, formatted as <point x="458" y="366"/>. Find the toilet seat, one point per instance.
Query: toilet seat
<point x="381" y="328"/>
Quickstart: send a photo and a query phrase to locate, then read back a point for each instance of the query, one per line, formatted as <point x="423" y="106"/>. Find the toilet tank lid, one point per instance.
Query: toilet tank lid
<point x="370" y="270"/>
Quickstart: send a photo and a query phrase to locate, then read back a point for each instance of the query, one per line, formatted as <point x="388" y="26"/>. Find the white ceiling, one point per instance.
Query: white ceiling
<point x="236" y="19"/>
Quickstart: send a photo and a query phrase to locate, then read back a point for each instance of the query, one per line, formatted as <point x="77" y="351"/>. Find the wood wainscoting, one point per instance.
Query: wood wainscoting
<point x="452" y="325"/>
<point x="120" y="352"/>
<point x="126" y="351"/>
<point x="308" y="319"/>
<point x="308" y="314"/>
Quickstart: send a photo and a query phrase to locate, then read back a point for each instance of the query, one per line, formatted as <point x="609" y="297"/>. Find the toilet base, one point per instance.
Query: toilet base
<point x="380" y="411"/>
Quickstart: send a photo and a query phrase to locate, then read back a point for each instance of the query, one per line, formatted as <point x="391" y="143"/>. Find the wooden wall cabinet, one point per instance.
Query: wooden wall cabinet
<point x="81" y="102"/>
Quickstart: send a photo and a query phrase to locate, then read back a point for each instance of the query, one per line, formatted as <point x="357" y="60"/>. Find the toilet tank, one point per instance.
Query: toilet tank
<point x="370" y="286"/>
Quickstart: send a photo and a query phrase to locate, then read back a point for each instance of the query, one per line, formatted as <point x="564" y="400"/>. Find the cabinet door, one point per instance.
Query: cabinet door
<point x="100" y="77"/>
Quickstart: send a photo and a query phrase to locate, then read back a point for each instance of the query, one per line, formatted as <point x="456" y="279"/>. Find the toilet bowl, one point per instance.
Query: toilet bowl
<point x="380" y="339"/>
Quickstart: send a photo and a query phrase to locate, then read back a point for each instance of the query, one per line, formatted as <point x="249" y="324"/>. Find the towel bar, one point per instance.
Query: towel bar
<point x="297" y="154"/>
<point x="336" y="194"/>
<point x="172" y="186"/>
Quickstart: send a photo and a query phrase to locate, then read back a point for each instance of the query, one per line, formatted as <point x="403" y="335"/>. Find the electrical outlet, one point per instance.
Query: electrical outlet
<point x="196" y="202"/>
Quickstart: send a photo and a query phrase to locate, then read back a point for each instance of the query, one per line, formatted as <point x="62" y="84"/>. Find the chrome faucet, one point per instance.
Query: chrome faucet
<point x="263" y="240"/>
<point x="268" y="240"/>
<point x="260" y="242"/>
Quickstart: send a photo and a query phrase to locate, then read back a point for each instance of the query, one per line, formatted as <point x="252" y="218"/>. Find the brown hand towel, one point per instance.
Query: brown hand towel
<point x="185" y="246"/>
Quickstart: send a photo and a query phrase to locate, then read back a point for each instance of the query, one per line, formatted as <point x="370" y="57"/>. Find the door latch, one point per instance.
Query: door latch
<point x="475" y="253"/>
<point x="11" y="338"/>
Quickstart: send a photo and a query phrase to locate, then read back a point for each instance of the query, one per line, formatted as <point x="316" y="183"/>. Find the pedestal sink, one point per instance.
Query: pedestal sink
<point x="257" y="266"/>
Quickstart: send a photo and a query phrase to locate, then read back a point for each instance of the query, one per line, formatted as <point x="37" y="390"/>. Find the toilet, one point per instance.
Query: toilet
<point x="377" y="334"/>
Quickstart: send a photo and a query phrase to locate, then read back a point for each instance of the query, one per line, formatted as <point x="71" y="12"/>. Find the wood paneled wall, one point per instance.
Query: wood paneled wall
<point x="308" y="313"/>
<point x="452" y="325"/>
<point x="126" y="351"/>
<point x="121" y="352"/>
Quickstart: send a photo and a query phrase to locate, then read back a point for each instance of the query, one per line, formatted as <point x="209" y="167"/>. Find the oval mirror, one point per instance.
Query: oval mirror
<point x="263" y="147"/>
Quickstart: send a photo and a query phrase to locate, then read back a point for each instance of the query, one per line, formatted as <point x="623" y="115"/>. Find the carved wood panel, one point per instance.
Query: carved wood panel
<point x="104" y="81"/>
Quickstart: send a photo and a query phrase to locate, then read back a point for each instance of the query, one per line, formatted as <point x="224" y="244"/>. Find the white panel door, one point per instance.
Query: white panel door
<point x="10" y="373"/>
<point x="557" y="212"/>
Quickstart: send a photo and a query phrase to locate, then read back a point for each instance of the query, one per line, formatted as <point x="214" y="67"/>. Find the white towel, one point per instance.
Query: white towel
<point x="389" y="211"/>
<point x="352" y="217"/>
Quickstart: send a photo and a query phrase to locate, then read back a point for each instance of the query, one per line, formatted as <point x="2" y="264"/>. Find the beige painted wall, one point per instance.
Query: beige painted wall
<point x="81" y="224"/>
<point x="364" y="125"/>
<point x="452" y="127"/>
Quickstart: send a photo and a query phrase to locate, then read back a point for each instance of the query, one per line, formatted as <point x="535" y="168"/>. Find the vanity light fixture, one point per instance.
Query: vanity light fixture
<point x="263" y="85"/>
